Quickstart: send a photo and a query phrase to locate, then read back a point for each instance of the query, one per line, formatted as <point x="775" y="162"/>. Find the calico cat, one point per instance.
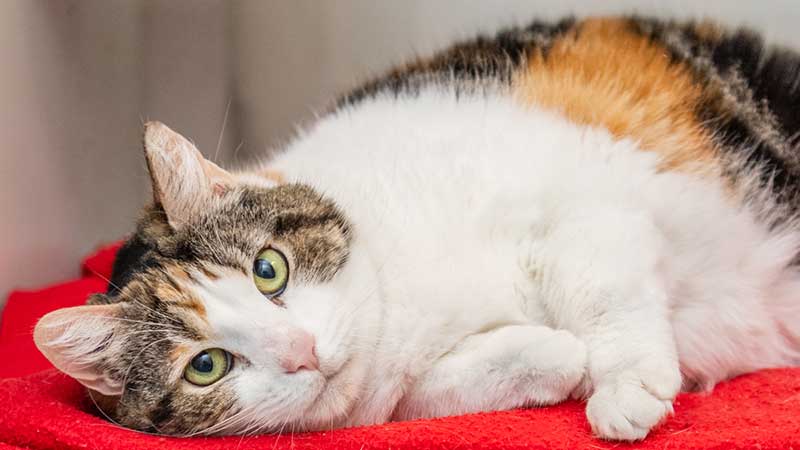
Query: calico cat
<point x="603" y="208"/>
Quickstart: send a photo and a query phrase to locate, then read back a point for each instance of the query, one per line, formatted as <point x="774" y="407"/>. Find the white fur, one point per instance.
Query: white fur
<point x="481" y="226"/>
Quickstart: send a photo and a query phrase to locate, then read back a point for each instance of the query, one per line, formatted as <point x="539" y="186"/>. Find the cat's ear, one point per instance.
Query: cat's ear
<point x="183" y="181"/>
<point x="78" y="342"/>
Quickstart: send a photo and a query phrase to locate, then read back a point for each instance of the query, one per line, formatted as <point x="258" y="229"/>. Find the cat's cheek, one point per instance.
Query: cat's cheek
<point x="342" y="313"/>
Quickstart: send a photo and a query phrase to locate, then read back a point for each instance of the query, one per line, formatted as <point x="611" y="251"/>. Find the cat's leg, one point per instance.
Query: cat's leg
<point x="599" y="275"/>
<point x="502" y="369"/>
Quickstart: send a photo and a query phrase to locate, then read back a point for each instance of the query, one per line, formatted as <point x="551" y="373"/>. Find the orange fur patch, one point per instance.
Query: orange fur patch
<point x="176" y="296"/>
<point x="604" y="74"/>
<point x="190" y="302"/>
<point x="179" y="351"/>
<point x="178" y="273"/>
<point x="210" y="274"/>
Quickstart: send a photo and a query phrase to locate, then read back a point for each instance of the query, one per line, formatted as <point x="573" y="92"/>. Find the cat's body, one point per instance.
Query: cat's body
<point x="418" y="201"/>
<point x="629" y="183"/>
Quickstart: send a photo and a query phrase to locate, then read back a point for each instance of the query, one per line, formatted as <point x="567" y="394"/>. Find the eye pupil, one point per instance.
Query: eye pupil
<point x="264" y="269"/>
<point x="203" y="363"/>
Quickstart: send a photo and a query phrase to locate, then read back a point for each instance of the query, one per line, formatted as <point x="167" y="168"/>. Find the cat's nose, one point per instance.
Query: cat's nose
<point x="301" y="353"/>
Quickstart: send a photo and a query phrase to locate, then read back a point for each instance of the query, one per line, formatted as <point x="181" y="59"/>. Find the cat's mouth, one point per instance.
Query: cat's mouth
<point x="329" y="381"/>
<point x="331" y="375"/>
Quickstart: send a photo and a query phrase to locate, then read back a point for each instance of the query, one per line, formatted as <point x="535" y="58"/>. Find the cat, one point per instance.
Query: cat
<point x="604" y="208"/>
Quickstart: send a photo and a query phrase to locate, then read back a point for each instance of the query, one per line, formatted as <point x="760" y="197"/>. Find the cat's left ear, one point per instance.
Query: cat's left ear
<point x="79" y="342"/>
<point x="183" y="181"/>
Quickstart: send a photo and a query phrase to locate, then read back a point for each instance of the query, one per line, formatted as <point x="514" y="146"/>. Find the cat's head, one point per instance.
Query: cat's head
<point x="240" y="304"/>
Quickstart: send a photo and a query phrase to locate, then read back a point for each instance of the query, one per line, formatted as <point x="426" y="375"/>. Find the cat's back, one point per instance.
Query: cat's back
<point x="677" y="119"/>
<point x="702" y="97"/>
<point x="692" y="124"/>
<point x="701" y="100"/>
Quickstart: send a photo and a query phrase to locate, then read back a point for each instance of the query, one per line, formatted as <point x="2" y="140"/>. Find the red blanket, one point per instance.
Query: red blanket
<point x="42" y="409"/>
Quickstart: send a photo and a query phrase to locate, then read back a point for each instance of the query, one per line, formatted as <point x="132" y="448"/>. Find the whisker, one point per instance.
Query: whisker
<point x="280" y="432"/>
<point x="103" y="277"/>
<point x="222" y="132"/>
<point x="236" y="150"/>
<point x="213" y="428"/>
<point x="144" y="322"/>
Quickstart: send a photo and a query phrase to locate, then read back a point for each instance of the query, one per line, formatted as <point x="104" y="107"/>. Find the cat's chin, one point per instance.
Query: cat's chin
<point x="338" y="396"/>
<point x="324" y="405"/>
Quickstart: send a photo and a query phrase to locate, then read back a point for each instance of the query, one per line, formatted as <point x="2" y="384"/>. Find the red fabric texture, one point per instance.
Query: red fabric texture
<point x="42" y="409"/>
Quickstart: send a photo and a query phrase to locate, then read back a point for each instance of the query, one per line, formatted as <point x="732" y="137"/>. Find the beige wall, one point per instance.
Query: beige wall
<point x="70" y="96"/>
<point x="79" y="76"/>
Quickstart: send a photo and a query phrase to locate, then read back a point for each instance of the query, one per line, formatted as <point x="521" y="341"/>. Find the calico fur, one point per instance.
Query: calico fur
<point x="603" y="208"/>
<point x="742" y="92"/>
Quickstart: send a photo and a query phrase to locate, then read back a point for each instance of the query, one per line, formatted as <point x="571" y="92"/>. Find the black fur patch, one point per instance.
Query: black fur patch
<point x="134" y="256"/>
<point x="753" y="106"/>
<point x="468" y="64"/>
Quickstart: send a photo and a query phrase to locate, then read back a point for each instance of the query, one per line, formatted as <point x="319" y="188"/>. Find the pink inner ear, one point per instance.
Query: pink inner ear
<point x="220" y="179"/>
<point x="219" y="189"/>
<point x="214" y="172"/>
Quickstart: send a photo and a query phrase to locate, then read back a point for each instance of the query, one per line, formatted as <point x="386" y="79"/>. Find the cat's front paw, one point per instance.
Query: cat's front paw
<point x="627" y="408"/>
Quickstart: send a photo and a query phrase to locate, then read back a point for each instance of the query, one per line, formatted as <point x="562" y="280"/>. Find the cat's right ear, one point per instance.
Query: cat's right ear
<point x="183" y="181"/>
<point x="79" y="342"/>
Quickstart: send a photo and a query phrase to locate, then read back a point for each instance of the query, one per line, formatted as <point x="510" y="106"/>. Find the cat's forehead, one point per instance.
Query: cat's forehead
<point x="309" y="228"/>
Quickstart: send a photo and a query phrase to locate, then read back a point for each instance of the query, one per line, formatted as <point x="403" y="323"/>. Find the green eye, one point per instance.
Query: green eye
<point x="270" y="272"/>
<point x="208" y="367"/>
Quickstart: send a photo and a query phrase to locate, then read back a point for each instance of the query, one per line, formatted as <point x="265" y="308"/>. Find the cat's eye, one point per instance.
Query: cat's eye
<point x="208" y="367"/>
<point x="271" y="272"/>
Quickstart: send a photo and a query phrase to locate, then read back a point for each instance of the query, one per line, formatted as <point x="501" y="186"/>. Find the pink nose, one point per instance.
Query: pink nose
<point x="300" y="353"/>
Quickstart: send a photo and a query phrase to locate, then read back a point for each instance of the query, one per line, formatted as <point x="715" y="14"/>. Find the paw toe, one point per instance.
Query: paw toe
<point x="662" y="382"/>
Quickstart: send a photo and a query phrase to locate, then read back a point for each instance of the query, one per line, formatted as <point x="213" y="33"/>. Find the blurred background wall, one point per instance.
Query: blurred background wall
<point x="78" y="79"/>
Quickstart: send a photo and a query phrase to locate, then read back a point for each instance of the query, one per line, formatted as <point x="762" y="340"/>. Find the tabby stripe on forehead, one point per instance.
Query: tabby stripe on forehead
<point x="288" y="223"/>
<point x="191" y="248"/>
